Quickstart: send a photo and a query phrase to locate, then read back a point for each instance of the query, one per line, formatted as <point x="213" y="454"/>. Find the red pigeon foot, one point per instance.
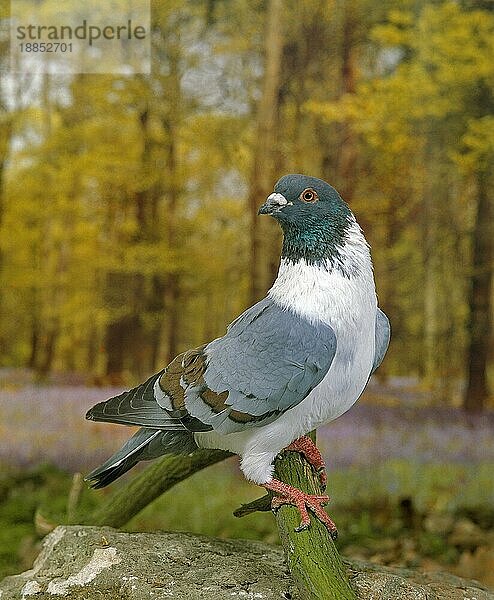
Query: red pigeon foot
<point x="305" y="446"/>
<point x="295" y="497"/>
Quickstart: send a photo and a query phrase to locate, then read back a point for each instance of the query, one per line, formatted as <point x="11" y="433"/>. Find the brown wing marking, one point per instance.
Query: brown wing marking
<point x="169" y="382"/>
<point x="190" y="366"/>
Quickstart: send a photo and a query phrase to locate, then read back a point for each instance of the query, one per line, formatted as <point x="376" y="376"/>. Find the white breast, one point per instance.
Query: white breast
<point x="348" y="305"/>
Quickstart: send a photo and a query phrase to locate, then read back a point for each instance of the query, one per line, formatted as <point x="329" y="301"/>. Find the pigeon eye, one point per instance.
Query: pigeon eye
<point x="309" y="195"/>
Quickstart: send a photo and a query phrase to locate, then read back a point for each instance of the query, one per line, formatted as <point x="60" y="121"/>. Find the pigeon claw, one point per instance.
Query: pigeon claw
<point x="306" y="447"/>
<point x="323" y="478"/>
<point x="302" y="527"/>
<point x="303" y="502"/>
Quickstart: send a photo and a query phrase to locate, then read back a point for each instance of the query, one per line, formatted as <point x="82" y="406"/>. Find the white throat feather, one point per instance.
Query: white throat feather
<point x="327" y="291"/>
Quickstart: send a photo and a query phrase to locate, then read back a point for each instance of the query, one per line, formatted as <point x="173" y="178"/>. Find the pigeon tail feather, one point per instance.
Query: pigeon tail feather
<point x="145" y="444"/>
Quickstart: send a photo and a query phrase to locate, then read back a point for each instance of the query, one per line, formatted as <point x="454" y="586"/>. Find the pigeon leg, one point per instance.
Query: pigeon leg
<point x="302" y="501"/>
<point x="305" y="446"/>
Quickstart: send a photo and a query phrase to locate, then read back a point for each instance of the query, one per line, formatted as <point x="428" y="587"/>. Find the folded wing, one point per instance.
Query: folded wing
<point x="267" y="362"/>
<point x="383" y="335"/>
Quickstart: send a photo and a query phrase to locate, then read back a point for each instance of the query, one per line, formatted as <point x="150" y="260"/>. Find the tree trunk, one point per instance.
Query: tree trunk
<point x="171" y="125"/>
<point x="130" y="343"/>
<point x="347" y="159"/>
<point x="431" y="283"/>
<point x="34" y="337"/>
<point x="48" y="351"/>
<point x="157" y="308"/>
<point x="145" y="300"/>
<point x="480" y="300"/>
<point x="116" y="334"/>
<point x="172" y="300"/>
<point x="386" y="280"/>
<point x="172" y="286"/>
<point x="262" y="175"/>
<point x="92" y="350"/>
<point x="6" y="133"/>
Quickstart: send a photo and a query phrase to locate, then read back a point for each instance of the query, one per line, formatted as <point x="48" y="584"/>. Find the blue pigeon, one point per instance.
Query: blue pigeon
<point x="297" y="359"/>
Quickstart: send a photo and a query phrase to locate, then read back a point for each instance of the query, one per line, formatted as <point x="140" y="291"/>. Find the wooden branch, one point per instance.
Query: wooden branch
<point x="260" y="505"/>
<point x="160" y="476"/>
<point x="312" y="557"/>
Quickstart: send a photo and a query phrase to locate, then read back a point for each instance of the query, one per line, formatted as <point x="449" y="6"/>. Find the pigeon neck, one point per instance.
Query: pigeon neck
<point x="329" y="245"/>
<point x="329" y="292"/>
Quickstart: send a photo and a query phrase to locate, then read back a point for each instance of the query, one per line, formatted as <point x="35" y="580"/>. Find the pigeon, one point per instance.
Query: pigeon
<point x="294" y="361"/>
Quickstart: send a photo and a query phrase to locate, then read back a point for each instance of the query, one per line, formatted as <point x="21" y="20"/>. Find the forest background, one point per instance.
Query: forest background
<point x="128" y="227"/>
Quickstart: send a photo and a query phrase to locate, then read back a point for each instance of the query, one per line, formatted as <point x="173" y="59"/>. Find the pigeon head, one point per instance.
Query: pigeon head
<point x="314" y="218"/>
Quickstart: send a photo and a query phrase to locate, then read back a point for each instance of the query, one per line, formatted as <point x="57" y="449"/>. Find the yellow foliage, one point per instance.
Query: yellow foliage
<point x="477" y="146"/>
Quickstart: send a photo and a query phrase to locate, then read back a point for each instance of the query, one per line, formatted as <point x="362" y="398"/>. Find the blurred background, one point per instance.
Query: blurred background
<point x="128" y="234"/>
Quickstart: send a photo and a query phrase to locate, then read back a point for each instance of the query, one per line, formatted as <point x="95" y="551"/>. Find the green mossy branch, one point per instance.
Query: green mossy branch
<point x="312" y="557"/>
<point x="157" y="478"/>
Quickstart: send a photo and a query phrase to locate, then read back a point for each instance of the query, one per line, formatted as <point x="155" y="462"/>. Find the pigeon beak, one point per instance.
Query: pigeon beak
<point x="274" y="203"/>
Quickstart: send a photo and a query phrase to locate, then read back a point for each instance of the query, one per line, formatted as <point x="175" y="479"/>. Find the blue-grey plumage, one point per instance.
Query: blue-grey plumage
<point x="297" y="359"/>
<point x="145" y="444"/>
<point x="288" y="355"/>
<point x="383" y="335"/>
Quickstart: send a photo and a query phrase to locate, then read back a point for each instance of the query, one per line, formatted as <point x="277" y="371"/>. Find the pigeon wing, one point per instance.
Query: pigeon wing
<point x="383" y="335"/>
<point x="268" y="361"/>
<point x="137" y="406"/>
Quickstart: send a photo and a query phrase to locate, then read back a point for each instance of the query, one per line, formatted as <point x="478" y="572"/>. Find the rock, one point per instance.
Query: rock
<point x="79" y="563"/>
<point x="92" y="562"/>
<point x="375" y="582"/>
